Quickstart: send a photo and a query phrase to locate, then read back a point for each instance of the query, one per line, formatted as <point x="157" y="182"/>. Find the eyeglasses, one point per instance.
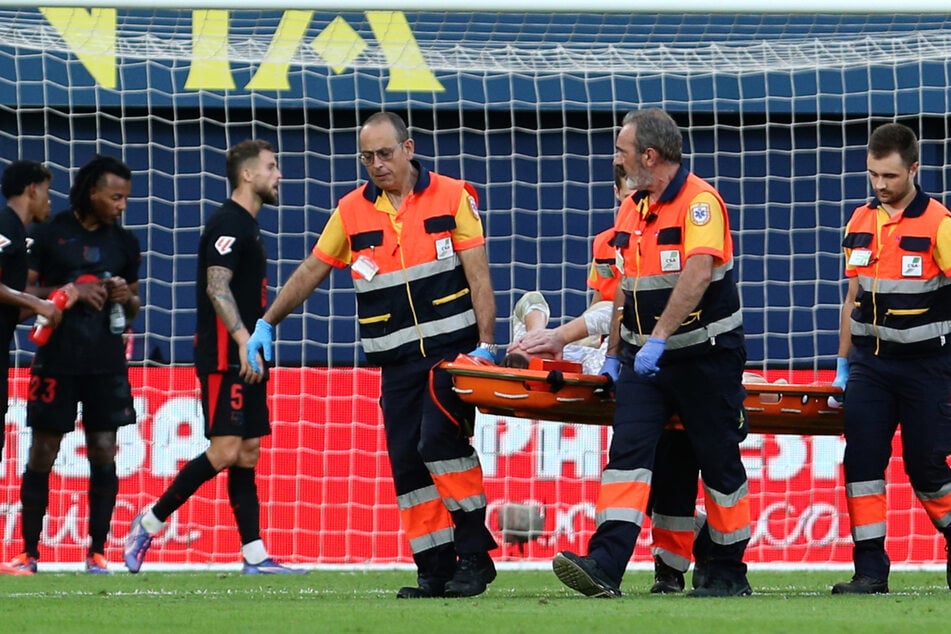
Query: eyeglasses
<point x="384" y="154"/>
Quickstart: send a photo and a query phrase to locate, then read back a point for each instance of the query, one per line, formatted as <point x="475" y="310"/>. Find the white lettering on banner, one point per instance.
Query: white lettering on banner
<point x="177" y="436"/>
<point x="556" y="444"/>
<point x="792" y="457"/>
<point x="827" y="455"/>
<point x="497" y="437"/>
<point x="817" y="524"/>
<point x="776" y="458"/>
<point x="70" y="525"/>
<point x="555" y="449"/>
<point x="569" y="521"/>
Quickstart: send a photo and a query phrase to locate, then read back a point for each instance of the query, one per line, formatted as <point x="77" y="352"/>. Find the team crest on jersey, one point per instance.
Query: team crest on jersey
<point x="4" y="242"/>
<point x="224" y="243"/>
<point x="700" y="214"/>
<point x="91" y="255"/>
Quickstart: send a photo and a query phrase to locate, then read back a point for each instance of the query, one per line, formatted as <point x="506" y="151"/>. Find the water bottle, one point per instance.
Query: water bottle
<point x="117" y="319"/>
<point x="42" y="330"/>
<point x="116" y="315"/>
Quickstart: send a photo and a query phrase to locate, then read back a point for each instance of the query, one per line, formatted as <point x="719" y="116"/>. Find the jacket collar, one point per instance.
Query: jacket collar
<point x="914" y="209"/>
<point x="673" y="188"/>
<point x="371" y="192"/>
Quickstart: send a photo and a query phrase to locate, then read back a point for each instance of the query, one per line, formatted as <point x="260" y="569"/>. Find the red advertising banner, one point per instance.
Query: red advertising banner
<point x="326" y="494"/>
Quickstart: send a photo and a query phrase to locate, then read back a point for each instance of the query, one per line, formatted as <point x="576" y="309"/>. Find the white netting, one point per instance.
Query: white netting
<point x="776" y="111"/>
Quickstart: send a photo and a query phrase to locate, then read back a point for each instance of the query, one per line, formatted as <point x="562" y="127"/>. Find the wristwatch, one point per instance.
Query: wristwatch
<point x="491" y="347"/>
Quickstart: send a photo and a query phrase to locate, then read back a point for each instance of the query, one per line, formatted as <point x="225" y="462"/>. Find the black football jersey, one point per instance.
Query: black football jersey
<point x="62" y="251"/>
<point x="232" y="240"/>
<point x="13" y="272"/>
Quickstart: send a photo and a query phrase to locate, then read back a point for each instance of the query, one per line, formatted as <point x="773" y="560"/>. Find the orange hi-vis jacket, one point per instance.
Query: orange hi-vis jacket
<point x="418" y="303"/>
<point x="604" y="276"/>
<point x="650" y="238"/>
<point x="903" y="305"/>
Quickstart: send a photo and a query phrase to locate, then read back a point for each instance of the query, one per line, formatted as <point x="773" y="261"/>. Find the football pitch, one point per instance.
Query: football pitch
<point x="518" y="601"/>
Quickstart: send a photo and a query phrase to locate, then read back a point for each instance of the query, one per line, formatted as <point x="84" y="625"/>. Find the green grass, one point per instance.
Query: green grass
<point x="522" y="601"/>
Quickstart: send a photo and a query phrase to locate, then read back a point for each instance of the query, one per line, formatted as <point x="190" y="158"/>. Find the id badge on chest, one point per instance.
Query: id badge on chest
<point x="444" y="248"/>
<point x="670" y="261"/>
<point x="366" y="267"/>
<point x="604" y="270"/>
<point x="860" y="257"/>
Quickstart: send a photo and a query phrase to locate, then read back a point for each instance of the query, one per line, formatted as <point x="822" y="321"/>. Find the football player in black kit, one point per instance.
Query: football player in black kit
<point x="231" y="285"/>
<point x="26" y="187"/>
<point x="84" y="361"/>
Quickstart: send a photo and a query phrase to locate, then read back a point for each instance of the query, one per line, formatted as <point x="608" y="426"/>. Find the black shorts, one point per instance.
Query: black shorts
<point x="106" y="399"/>
<point x="233" y="407"/>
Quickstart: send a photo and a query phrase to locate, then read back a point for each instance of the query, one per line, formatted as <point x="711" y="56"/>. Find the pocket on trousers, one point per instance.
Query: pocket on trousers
<point x="734" y="403"/>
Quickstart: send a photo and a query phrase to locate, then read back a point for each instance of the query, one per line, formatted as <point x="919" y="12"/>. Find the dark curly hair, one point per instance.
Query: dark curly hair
<point x="90" y="175"/>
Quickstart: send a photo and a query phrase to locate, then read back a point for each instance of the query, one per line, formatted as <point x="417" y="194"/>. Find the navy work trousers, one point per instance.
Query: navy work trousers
<point x="417" y="431"/>
<point x="707" y="393"/>
<point x="880" y="394"/>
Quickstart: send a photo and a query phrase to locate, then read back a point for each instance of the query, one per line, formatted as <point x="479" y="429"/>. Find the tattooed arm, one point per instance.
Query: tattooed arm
<point x="219" y="292"/>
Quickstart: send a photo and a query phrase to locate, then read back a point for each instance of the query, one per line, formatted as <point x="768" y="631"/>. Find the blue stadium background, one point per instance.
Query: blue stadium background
<point x="517" y="130"/>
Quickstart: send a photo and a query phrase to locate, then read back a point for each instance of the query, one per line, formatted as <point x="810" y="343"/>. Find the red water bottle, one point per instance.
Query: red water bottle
<point x="41" y="329"/>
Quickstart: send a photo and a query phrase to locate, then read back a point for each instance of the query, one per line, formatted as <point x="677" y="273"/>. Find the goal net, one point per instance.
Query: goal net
<point x="775" y="108"/>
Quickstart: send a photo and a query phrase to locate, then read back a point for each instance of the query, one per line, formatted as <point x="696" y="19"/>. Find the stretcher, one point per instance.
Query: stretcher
<point x="556" y="390"/>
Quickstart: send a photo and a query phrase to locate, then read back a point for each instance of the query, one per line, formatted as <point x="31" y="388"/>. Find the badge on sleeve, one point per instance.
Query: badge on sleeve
<point x="4" y="242"/>
<point x="860" y="257"/>
<point x="366" y="267"/>
<point x="911" y="266"/>
<point x="700" y="213"/>
<point x="224" y="243"/>
<point x="670" y="261"/>
<point x="474" y="207"/>
<point x="444" y="248"/>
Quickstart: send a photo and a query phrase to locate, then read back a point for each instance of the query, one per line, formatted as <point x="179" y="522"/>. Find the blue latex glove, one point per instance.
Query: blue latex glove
<point x="261" y="340"/>
<point x="841" y="373"/>
<point x="840" y="381"/>
<point x="611" y="368"/>
<point x="482" y="353"/>
<point x="645" y="363"/>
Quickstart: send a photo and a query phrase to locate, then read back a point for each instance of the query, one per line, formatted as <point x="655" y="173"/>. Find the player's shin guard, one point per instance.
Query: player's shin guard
<point x="35" y="497"/>
<point x="103" y="489"/>
<point x="243" y="494"/>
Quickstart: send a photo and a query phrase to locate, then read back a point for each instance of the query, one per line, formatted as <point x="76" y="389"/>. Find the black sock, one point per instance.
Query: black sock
<point x="194" y="474"/>
<point x="103" y="488"/>
<point x="243" y="493"/>
<point x="35" y="497"/>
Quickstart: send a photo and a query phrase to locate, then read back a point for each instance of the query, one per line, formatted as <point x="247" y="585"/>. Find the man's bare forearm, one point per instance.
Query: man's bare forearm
<point x="222" y="299"/>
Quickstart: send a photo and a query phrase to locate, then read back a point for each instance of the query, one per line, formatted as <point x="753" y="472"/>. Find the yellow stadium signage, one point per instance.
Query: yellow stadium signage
<point x="92" y="36"/>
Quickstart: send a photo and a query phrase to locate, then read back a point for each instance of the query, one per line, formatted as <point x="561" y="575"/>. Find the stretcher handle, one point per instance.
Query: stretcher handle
<point x="512" y="397"/>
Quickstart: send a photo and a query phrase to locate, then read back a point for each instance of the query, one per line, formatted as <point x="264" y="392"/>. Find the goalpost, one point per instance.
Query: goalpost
<point x="776" y="109"/>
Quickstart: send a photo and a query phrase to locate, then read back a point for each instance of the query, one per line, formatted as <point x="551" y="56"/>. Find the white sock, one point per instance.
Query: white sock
<point x="151" y="523"/>
<point x="254" y="552"/>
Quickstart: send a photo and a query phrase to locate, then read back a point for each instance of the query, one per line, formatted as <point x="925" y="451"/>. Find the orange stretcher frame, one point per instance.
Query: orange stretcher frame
<point x="556" y="391"/>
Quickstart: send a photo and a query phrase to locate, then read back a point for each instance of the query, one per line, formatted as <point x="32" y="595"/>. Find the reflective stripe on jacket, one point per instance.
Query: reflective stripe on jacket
<point x="652" y="247"/>
<point x="418" y="303"/>
<point x="903" y="305"/>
